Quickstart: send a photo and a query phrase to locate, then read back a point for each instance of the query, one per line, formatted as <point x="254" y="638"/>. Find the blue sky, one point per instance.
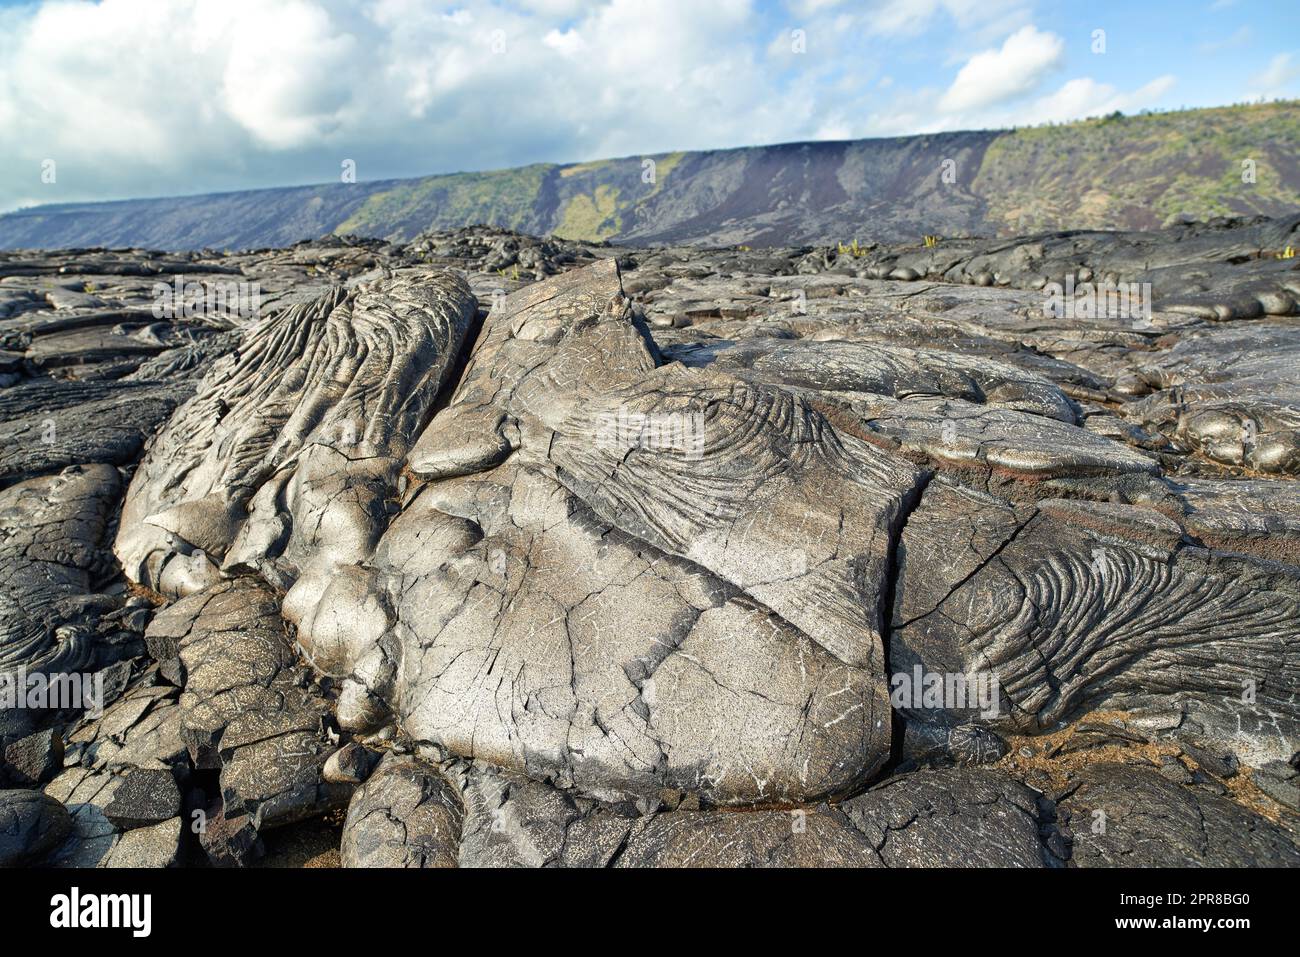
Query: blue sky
<point x="157" y="97"/>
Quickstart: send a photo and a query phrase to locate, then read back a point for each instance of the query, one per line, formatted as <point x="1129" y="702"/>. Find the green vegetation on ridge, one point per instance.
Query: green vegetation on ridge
<point x="1139" y="171"/>
<point x="499" y="198"/>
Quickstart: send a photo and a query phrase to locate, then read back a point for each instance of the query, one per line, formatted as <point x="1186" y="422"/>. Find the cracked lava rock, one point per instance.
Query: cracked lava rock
<point x="663" y="557"/>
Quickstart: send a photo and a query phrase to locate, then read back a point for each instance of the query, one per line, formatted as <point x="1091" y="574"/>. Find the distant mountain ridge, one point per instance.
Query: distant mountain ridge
<point x="1119" y="172"/>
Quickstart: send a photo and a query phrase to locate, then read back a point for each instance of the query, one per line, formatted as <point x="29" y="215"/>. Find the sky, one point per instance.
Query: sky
<point x="128" y="98"/>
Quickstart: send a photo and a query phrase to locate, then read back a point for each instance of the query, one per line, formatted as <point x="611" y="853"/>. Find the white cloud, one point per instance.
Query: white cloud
<point x="220" y="94"/>
<point x="1084" y="96"/>
<point x="206" y="95"/>
<point x="1278" y="79"/>
<point x="918" y="111"/>
<point x="1015" y="69"/>
<point x="288" y="80"/>
<point x="570" y="42"/>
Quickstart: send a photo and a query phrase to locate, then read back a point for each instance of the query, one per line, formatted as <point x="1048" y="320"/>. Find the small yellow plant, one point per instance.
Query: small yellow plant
<point x="1288" y="253"/>
<point x="930" y="241"/>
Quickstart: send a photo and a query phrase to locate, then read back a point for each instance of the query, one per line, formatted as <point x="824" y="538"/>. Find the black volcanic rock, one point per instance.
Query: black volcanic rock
<point x="31" y="825"/>
<point x="31" y="761"/>
<point x="1125" y="816"/>
<point x="532" y="552"/>
<point x="145" y="797"/>
<point x="406" y="815"/>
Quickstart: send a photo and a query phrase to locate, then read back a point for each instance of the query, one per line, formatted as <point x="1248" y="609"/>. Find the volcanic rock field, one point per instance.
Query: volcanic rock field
<point x="493" y="550"/>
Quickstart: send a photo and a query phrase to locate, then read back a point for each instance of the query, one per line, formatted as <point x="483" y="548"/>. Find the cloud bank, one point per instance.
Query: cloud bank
<point x="158" y="97"/>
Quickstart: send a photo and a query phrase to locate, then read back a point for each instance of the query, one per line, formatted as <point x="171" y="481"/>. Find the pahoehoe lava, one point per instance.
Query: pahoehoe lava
<point x="657" y="556"/>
